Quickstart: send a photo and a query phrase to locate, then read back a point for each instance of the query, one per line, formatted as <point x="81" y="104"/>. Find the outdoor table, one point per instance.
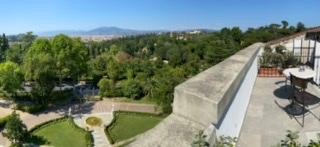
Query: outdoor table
<point x="305" y="74"/>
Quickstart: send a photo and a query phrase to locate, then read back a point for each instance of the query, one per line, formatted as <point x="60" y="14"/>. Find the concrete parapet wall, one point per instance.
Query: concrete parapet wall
<point x="206" y="97"/>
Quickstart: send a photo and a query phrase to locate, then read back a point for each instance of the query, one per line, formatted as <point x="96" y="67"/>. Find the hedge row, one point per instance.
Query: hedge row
<point x="45" y="124"/>
<point x="110" y="126"/>
<point x="88" y="136"/>
<point x="31" y="108"/>
<point x="113" y="122"/>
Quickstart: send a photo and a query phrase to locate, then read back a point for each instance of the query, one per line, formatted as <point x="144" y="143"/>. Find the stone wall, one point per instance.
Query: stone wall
<point x="206" y="97"/>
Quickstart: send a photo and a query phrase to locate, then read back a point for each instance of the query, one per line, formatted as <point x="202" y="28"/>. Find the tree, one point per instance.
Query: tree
<point x="4" y="45"/>
<point x="132" y="89"/>
<point x="106" y="87"/>
<point x="99" y="65"/>
<point x="39" y="68"/>
<point x="70" y="55"/>
<point x="114" y="70"/>
<point x="80" y="57"/>
<point x="10" y="77"/>
<point x="15" y="130"/>
<point x="285" y="24"/>
<point x="15" y="53"/>
<point x="300" y="27"/>
<point x="175" y="56"/>
<point x="62" y="50"/>
<point x="27" y="39"/>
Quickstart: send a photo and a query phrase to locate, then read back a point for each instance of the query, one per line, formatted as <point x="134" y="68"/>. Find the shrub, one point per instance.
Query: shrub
<point x="166" y="108"/>
<point x="290" y="60"/>
<point x="132" y="89"/>
<point x="278" y="59"/>
<point x="31" y="108"/>
<point x="266" y="59"/>
<point x="267" y="49"/>
<point x="3" y="121"/>
<point x="280" y="49"/>
<point x="108" y="88"/>
<point x="200" y="140"/>
<point x="226" y="141"/>
<point x="291" y="140"/>
<point x="58" y="96"/>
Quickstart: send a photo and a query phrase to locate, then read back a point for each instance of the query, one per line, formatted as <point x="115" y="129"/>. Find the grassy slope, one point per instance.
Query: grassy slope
<point x="127" y="125"/>
<point x="63" y="134"/>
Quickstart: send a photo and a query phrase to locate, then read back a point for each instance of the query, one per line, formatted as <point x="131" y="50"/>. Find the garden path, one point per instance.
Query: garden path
<point x="99" y="137"/>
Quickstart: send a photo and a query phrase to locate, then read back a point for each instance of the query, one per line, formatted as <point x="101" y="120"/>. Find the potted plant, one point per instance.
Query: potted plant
<point x="272" y="63"/>
<point x="290" y="60"/>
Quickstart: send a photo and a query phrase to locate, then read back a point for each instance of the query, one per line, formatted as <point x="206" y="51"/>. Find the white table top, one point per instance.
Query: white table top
<point x="306" y="74"/>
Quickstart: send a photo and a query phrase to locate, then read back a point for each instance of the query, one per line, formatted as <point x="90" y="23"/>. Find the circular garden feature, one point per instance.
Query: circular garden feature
<point x="93" y="121"/>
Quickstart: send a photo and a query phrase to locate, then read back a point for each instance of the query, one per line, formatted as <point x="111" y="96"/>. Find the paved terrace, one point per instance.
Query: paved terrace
<point x="266" y="122"/>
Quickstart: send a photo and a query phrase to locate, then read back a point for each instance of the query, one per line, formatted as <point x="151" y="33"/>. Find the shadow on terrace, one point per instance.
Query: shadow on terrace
<point x="270" y="115"/>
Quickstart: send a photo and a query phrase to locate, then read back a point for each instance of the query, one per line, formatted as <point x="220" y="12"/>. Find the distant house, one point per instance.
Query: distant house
<point x="195" y="32"/>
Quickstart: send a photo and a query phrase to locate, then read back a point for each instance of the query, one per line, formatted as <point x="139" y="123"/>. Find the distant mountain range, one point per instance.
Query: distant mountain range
<point x="115" y="31"/>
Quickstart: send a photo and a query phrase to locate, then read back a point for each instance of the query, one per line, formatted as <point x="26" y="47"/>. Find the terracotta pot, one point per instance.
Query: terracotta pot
<point x="269" y="72"/>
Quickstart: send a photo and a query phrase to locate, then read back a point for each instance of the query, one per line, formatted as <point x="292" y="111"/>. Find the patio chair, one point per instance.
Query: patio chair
<point x="298" y="90"/>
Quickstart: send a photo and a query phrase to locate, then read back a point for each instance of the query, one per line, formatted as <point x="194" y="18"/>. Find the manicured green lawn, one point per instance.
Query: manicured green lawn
<point x="129" y="124"/>
<point x="63" y="134"/>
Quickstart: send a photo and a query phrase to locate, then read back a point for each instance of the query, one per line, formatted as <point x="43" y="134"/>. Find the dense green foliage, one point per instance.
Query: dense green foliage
<point x="63" y="133"/>
<point x="15" y="130"/>
<point x="155" y="63"/>
<point x="145" y="66"/>
<point x="279" y="58"/>
<point x="10" y="77"/>
<point x="129" y="124"/>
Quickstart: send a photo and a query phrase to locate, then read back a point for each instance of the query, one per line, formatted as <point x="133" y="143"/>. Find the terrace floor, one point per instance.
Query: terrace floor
<point x="266" y="121"/>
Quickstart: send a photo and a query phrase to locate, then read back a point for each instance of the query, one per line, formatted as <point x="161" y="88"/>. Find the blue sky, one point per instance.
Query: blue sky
<point x="17" y="16"/>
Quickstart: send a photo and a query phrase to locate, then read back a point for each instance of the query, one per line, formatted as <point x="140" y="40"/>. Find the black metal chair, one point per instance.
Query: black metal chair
<point x="297" y="105"/>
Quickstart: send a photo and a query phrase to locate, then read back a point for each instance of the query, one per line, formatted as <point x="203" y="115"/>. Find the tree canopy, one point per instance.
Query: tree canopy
<point x="11" y="77"/>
